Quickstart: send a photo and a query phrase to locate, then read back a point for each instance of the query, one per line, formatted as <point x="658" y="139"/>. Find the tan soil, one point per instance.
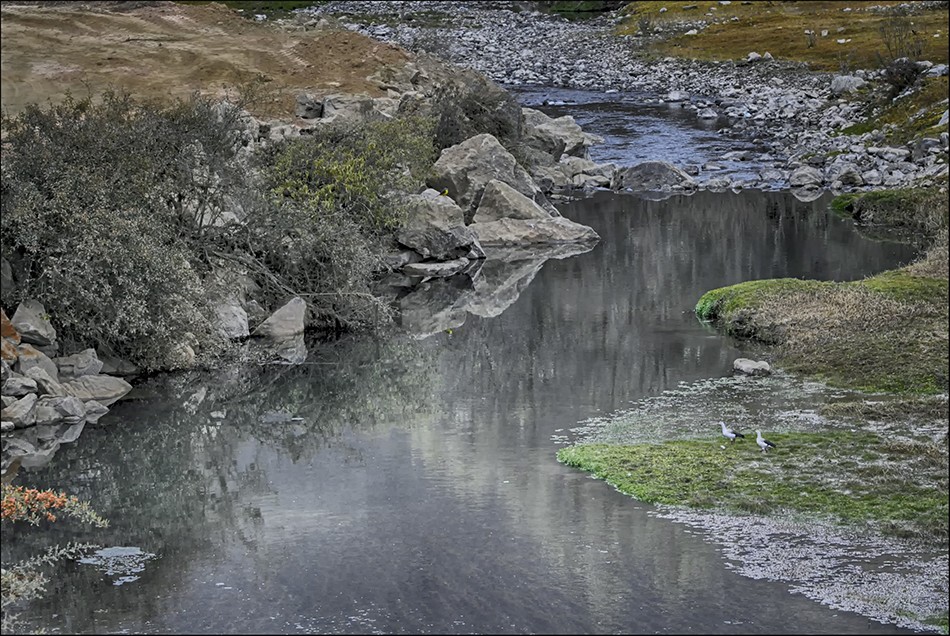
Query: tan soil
<point x="161" y="50"/>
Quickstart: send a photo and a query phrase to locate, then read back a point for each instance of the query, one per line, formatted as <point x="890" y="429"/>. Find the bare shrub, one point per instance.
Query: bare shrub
<point x="104" y="206"/>
<point x="463" y="109"/>
<point x="900" y="38"/>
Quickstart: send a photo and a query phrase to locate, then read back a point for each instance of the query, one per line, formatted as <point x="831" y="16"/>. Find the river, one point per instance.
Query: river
<point x="409" y="484"/>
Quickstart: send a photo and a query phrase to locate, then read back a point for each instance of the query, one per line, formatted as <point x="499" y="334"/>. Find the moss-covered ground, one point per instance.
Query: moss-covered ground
<point x="922" y="210"/>
<point x="885" y="333"/>
<point x="897" y="485"/>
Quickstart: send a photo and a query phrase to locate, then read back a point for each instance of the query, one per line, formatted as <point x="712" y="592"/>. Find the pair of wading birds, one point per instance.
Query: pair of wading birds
<point x="731" y="435"/>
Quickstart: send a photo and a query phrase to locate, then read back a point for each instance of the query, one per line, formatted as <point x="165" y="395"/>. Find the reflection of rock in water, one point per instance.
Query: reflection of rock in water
<point x="34" y="447"/>
<point x="436" y="305"/>
<point x="122" y="563"/>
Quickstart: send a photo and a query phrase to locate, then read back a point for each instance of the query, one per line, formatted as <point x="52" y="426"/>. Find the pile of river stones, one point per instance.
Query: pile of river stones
<point x="40" y="390"/>
<point x="797" y="115"/>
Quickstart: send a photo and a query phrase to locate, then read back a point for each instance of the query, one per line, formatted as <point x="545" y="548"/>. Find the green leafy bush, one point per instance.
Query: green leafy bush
<point x="355" y="169"/>
<point x="331" y="203"/>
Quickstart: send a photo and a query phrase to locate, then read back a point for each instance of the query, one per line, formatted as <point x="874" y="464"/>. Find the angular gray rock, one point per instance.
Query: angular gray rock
<point x="94" y="411"/>
<point x="466" y="168"/>
<point x="351" y="108"/>
<point x="751" y="367"/>
<point x="86" y="362"/>
<point x="501" y="201"/>
<point x="550" y="231"/>
<point x="435" y="228"/>
<point x="32" y="321"/>
<point x="555" y="136"/>
<point x="231" y="319"/>
<point x="59" y="410"/>
<point x="101" y="388"/>
<point x="29" y="357"/>
<point x="308" y="107"/>
<point x="45" y="385"/>
<point x="574" y="166"/>
<point x="22" y="412"/>
<point x="18" y="386"/>
<point x="652" y="176"/>
<point x="285" y="322"/>
<point x="846" y="84"/>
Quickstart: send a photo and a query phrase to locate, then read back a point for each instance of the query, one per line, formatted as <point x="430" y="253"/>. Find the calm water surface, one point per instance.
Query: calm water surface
<point x="409" y="485"/>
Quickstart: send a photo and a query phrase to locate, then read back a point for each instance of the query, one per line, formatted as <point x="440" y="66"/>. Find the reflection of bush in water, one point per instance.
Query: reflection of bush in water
<point x="355" y="384"/>
<point x="168" y="477"/>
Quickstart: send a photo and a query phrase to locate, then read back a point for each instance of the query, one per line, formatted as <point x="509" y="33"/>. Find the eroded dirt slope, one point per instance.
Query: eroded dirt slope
<point x="162" y="49"/>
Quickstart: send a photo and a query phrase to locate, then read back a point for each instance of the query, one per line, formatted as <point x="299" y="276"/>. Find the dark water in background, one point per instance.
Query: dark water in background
<point x="418" y="491"/>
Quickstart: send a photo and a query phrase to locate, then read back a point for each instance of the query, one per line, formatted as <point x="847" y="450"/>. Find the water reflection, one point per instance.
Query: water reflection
<point x="410" y="486"/>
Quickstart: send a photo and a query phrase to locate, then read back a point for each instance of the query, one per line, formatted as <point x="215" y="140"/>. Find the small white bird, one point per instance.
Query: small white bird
<point x="730" y="434"/>
<point x="763" y="443"/>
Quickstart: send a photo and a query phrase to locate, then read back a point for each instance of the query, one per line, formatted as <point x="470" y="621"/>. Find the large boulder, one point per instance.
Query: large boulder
<point x="85" y="362"/>
<point x="59" y="410"/>
<point x="22" y="412"/>
<point x="231" y="319"/>
<point x="17" y="386"/>
<point x="846" y="84"/>
<point x="555" y="136"/>
<point x="805" y="177"/>
<point x="286" y="322"/>
<point x="28" y="357"/>
<point x="32" y="322"/>
<point x="45" y="384"/>
<point x="352" y="108"/>
<point x="652" y="176"/>
<point x="466" y="168"/>
<point x="520" y="232"/>
<point x="435" y="228"/>
<point x="500" y="201"/>
<point x="751" y="367"/>
<point x="114" y="365"/>
<point x="576" y="166"/>
<point x="104" y="389"/>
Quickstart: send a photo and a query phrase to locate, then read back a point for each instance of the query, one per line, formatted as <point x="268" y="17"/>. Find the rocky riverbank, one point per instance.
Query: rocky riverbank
<point x="799" y="117"/>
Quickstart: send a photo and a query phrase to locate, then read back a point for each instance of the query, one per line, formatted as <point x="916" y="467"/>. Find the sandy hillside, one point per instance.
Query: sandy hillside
<point x="159" y="49"/>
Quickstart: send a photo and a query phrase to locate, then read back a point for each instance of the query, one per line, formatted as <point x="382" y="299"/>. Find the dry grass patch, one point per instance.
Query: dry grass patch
<point x="885" y="333"/>
<point x="780" y="28"/>
<point x="162" y="50"/>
